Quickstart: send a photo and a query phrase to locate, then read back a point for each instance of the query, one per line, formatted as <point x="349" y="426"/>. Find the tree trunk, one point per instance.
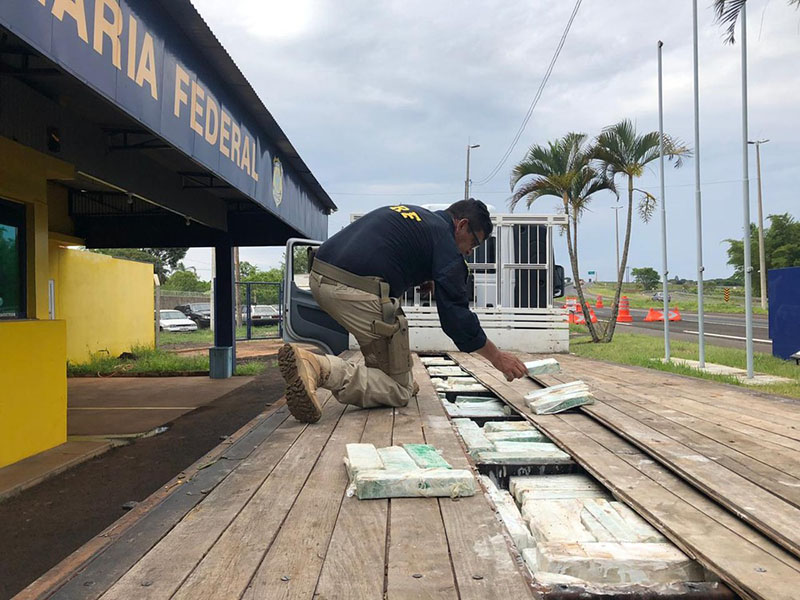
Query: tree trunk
<point x="609" y="333"/>
<point x="573" y="255"/>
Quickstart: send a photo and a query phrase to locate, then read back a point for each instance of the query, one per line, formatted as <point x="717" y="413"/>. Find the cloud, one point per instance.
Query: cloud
<point x="381" y="97"/>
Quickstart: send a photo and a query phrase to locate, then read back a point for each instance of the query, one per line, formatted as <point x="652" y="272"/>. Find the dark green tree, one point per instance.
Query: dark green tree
<point x="781" y="248"/>
<point x="647" y="277"/>
<point x="185" y="280"/>
<point x="164" y="260"/>
<point x="259" y="294"/>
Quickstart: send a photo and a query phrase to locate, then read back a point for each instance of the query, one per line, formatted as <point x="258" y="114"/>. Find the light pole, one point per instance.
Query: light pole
<point x="664" y="272"/>
<point x="762" y="261"/>
<point x="616" y="221"/>
<point x="698" y="197"/>
<point x="466" y="181"/>
<point x="748" y="284"/>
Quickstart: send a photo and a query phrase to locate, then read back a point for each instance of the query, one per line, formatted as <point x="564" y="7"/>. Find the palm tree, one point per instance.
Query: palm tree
<point x="728" y="12"/>
<point x="562" y="169"/>
<point x="620" y="150"/>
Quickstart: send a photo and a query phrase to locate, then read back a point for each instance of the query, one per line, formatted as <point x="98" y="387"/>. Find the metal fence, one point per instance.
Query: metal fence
<point x="260" y="305"/>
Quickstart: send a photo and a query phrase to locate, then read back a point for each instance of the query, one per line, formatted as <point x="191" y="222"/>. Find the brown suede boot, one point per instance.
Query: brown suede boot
<point x="303" y="372"/>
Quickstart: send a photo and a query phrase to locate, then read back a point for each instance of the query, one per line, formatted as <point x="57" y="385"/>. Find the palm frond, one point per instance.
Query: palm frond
<point x="647" y="205"/>
<point x="532" y="190"/>
<point x="727" y="14"/>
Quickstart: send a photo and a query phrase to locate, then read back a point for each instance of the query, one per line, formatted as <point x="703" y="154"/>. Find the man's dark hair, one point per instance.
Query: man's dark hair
<point x="475" y="211"/>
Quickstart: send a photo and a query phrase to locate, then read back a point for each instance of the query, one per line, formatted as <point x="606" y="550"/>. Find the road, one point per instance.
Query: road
<point x="720" y="329"/>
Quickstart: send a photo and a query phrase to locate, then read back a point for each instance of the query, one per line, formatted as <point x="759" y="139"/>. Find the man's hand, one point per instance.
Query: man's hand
<point x="505" y="362"/>
<point x="509" y="365"/>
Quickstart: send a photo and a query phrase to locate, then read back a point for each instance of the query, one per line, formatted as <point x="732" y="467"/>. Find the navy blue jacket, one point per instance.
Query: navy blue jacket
<point x="407" y="245"/>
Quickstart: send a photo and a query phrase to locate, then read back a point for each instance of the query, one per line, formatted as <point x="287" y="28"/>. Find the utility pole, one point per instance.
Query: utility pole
<point x="697" y="197"/>
<point x="616" y="210"/>
<point x="762" y="260"/>
<point x="748" y="284"/>
<point x="466" y="181"/>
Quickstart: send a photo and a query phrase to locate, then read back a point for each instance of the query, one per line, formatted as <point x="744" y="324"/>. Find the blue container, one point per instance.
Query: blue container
<point x="784" y="311"/>
<point x="220" y="359"/>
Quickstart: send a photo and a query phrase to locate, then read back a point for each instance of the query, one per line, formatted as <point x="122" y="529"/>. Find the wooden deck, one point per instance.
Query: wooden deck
<point x="269" y="518"/>
<point x="714" y="467"/>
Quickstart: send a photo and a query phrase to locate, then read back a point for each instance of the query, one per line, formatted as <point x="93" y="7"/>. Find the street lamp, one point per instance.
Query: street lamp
<point x="466" y="181"/>
<point x="616" y="210"/>
<point x="761" y="257"/>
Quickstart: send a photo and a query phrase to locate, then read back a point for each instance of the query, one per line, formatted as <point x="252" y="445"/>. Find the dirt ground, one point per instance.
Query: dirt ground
<point x="46" y="523"/>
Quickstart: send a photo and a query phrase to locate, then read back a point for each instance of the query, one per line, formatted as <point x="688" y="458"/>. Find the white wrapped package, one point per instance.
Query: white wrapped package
<point x="562" y="387"/>
<point x="542" y="367"/>
<point x="425" y="483"/>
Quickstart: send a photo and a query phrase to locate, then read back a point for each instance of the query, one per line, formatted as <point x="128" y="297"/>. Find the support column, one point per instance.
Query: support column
<point x="222" y="357"/>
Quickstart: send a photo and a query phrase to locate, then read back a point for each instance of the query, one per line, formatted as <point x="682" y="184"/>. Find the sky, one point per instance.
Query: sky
<point x="381" y="99"/>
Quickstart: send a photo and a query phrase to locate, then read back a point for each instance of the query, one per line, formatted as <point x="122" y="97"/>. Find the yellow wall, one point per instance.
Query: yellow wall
<point x="33" y="388"/>
<point x="106" y="302"/>
<point x="23" y="177"/>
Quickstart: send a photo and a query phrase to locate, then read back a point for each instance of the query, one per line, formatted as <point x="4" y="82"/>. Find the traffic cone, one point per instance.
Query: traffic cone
<point x="577" y="318"/>
<point x="592" y="316"/>
<point x="599" y="303"/>
<point x="624" y="314"/>
<point x="654" y="315"/>
<point x="674" y="314"/>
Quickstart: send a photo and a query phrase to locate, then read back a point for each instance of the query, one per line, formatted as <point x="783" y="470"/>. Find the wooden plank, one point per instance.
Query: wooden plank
<point x="418" y="559"/>
<point x="470" y="523"/>
<point x="736" y="452"/>
<point x="684" y="392"/>
<point x="747" y="401"/>
<point x="743" y="565"/>
<point x="128" y="541"/>
<point x="680" y="513"/>
<point x="225" y="570"/>
<point x="292" y="565"/>
<point x="674" y="484"/>
<point x="356" y="558"/>
<point x="772" y="468"/>
<point x="758" y="430"/>
<point x="689" y="519"/>
<point x="757" y="506"/>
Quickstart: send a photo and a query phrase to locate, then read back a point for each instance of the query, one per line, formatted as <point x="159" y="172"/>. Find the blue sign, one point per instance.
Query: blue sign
<point x="130" y="52"/>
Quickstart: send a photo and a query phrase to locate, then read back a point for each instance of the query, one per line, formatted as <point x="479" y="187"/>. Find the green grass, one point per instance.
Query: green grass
<point x="204" y="337"/>
<point x="713" y="303"/>
<point x="646" y="351"/>
<point x="154" y="362"/>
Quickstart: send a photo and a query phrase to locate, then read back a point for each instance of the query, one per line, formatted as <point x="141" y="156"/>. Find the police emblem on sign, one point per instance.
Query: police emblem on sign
<point x="277" y="181"/>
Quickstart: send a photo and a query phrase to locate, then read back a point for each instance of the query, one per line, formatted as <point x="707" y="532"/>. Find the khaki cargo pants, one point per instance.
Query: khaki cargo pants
<point x="356" y="383"/>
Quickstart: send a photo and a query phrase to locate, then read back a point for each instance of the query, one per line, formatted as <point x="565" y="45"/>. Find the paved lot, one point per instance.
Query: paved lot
<point x="99" y="406"/>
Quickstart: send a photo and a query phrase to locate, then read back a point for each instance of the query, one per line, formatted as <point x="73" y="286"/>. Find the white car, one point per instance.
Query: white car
<point x="175" y="320"/>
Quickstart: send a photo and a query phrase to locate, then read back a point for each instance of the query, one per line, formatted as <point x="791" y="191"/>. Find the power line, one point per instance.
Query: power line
<point x="535" y="100"/>
<point x="458" y="193"/>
